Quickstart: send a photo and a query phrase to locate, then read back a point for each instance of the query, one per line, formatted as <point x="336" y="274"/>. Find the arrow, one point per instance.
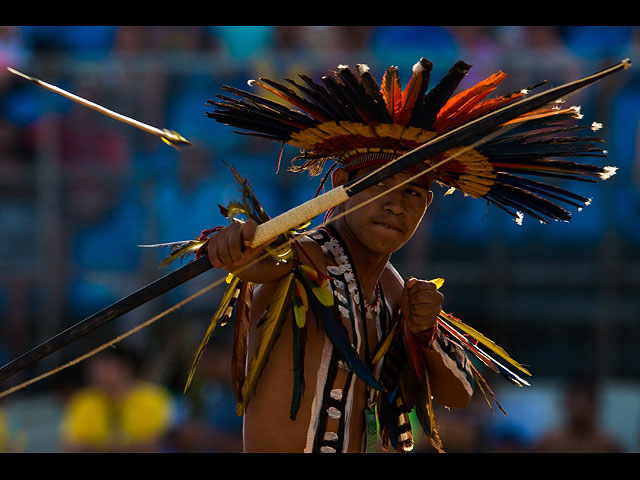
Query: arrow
<point x="168" y="136"/>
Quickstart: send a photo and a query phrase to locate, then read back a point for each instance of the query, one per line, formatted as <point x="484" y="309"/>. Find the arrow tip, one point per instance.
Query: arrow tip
<point x="175" y="139"/>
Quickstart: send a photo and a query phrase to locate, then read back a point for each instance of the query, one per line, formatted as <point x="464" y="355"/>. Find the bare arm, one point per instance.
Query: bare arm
<point x="420" y="303"/>
<point x="447" y="365"/>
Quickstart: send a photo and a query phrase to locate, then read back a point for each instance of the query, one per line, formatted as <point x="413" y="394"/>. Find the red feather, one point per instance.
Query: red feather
<point x="414" y="352"/>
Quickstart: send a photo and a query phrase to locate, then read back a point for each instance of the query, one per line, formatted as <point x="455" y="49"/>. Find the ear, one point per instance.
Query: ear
<point x="339" y="177"/>
<point x="429" y="198"/>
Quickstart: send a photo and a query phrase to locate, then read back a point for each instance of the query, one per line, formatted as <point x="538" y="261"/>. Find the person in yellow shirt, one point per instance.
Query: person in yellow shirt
<point x="116" y="411"/>
<point x="4" y="432"/>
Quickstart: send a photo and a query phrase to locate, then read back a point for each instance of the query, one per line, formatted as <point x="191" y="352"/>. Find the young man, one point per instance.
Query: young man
<point x="384" y="347"/>
<point x="368" y="236"/>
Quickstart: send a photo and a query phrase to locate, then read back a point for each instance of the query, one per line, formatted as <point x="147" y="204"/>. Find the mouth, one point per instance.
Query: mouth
<point x="389" y="226"/>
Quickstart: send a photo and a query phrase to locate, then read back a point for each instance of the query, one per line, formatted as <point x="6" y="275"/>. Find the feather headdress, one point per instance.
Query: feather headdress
<point x="350" y="119"/>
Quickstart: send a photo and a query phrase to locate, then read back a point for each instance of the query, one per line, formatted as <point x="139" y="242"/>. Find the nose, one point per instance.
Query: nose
<point x="393" y="202"/>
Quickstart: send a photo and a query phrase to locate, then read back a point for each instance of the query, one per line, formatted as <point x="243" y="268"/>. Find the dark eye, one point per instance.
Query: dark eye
<point x="414" y="192"/>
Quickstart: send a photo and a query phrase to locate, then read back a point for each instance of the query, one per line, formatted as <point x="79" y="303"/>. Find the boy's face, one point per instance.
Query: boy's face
<point x="390" y="215"/>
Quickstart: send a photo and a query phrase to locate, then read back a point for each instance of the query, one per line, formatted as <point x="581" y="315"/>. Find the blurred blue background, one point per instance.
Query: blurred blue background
<point x="79" y="192"/>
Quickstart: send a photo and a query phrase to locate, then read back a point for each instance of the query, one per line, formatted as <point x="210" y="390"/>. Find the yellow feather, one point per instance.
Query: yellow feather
<point x="386" y="344"/>
<point x="181" y="251"/>
<point x="429" y="402"/>
<point x="226" y="298"/>
<point x="300" y="309"/>
<point x="484" y="340"/>
<point x="318" y="285"/>
<point x="269" y="332"/>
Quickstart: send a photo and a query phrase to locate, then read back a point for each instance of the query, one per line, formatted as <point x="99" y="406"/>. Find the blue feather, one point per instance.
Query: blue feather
<point x="337" y="334"/>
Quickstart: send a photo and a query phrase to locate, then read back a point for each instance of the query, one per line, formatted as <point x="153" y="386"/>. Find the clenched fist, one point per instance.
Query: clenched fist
<point x="421" y="304"/>
<point x="229" y="248"/>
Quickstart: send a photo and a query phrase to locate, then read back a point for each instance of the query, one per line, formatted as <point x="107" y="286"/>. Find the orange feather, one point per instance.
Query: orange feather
<point x="392" y="92"/>
<point x="485" y="107"/>
<point x="546" y="112"/>
<point x="460" y="104"/>
<point x="410" y="94"/>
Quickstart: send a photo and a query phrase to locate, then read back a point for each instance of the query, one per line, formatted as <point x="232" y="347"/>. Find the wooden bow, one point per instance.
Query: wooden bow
<point x="483" y="126"/>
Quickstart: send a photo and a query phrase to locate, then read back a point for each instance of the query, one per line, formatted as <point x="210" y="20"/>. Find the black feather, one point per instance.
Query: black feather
<point x="322" y="96"/>
<point x="425" y="116"/>
<point x="347" y="110"/>
<point x="372" y="89"/>
<point x="357" y="95"/>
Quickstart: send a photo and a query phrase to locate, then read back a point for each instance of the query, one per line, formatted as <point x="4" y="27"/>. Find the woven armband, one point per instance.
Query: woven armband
<point x="427" y="337"/>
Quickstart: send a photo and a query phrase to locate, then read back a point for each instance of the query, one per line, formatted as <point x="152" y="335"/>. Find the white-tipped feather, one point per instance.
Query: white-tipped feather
<point x="519" y="217"/>
<point x="608" y="172"/>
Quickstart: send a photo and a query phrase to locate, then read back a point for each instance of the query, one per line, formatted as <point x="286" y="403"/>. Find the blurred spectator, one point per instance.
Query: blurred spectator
<point x="4" y="432"/>
<point x="24" y="105"/>
<point x="404" y="45"/>
<point x="132" y="39"/>
<point x="87" y="138"/>
<point x="100" y="216"/>
<point x="323" y="40"/>
<point x="188" y="203"/>
<point x="187" y="39"/>
<point x="461" y="430"/>
<point x="597" y="41"/>
<point x="89" y="42"/>
<point x="547" y="42"/>
<point x="581" y="431"/>
<point x="78" y="41"/>
<point x="243" y="42"/>
<point x="186" y="111"/>
<point x="116" y="411"/>
<point x="103" y="253"/>
<point x="12" y="436"/>
<point x="212" y="425"/>
<point x="478" y="46"/>
<point x="13" y="51"/>
<point x="624" y="152"/>
<point x="290" y="38"/>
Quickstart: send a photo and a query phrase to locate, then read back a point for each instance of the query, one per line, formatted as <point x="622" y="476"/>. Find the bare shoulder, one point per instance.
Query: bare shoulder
<point x="309" y="252"/>
<point x="392" y="284"/>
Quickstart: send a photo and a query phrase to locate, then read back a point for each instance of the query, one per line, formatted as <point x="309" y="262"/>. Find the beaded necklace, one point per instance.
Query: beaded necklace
<point x="336" y="402"/>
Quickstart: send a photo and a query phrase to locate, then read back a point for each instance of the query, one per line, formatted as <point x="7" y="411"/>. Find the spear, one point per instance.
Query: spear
<point x="305" y="212"/>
